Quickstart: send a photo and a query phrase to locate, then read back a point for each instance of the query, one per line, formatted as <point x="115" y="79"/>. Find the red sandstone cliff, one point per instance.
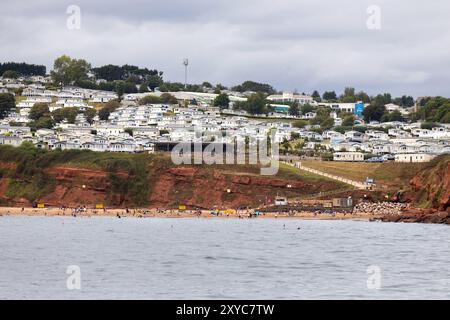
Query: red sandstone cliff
<point x="194" y="186"/>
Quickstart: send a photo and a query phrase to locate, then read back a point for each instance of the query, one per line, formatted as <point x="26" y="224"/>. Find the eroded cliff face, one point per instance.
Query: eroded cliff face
<point x="71" y="187"/>
<point x="201" y="187"/>
<point x="78" y="186"/>
<point x="207" y="188"/>
<point x="432" y="186"/>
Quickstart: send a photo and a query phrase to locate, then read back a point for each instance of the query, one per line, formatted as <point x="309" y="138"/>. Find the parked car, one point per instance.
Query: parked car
<point x="375" y="159"/>
<point x="388" y="157"/>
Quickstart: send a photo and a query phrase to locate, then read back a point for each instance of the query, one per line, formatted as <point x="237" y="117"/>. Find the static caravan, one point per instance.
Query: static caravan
<point x="348" y="156"/>
<point x="414" y="157"/>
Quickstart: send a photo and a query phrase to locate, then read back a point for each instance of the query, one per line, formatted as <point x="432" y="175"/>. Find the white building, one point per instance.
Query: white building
<point x="348" y="156"/>
<point x="413" y="157"/>
<point x="292" y="97"/>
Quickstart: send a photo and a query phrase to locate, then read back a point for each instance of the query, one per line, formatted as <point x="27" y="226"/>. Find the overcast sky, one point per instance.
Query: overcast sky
<point x="292" y="44"/>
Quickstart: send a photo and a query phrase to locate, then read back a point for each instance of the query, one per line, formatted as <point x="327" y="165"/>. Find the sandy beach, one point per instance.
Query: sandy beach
<point x="157" y="213"/>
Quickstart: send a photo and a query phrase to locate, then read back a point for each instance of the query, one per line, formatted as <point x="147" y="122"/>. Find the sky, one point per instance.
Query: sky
<point x="401" y="46"/>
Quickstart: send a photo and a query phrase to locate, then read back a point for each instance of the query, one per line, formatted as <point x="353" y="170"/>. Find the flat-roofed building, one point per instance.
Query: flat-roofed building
<point x="348" y="156"/>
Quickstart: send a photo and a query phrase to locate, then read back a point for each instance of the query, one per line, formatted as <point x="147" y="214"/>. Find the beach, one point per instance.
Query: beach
<point x="175" y="213"/>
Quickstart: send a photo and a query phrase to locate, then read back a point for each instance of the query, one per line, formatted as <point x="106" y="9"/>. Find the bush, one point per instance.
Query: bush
<point x="299" y="123"/>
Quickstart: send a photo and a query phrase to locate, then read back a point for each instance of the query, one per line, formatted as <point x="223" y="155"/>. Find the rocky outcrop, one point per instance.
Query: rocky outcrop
<point x="419" y="216"/>
<point x="430" y="190"/>
<point x="431" y="186"/>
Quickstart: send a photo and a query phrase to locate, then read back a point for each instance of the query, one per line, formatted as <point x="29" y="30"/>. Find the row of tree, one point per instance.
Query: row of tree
<point x="41" y="117"/>
<point x="254" y="87"/>
<point x="23" y="69"/>
<point x="351" y="96"/>
<point x="127" y="72"/>
<point x="121" y="79"/>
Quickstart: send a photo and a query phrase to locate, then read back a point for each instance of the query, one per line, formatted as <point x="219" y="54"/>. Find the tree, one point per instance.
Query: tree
<point x="10" y="74"/>
<point x="120" y="89"/>
<point x="407" y="101"/>
<point x="285" y="145"/>
<point x="382" y="99"/>
<point x="362" y="96"/>
<point x="404" y="101"/>
<point x="349" y="95"/>
<point x="385" y="117"/>
<point x="103" y="113"/>
<point x="257" y="103"/>
<point x="90" y="114"/>
<point x="7" y="102"/>
<point x="171" y="87"/>
<point x="219" y="87"/>
<point x="87" y="84"/>
<point x="294" y="110"/>
<point x="143" y="87"/>
<point x="396" y="116"/>
<point x="41" y="116"/>
<point x="428" y="125"/>
<point x="109" y="72"/>
<point x="207" y="84"/>
<point x="168" y="98"/>
<point x="307" y="108"/>
<point x="129" y="131"/>
<point x="299" y="123"/>
<point x="329" y="95"/>
<point x="348" y="121"/>
<point x="24" y="69"/>
<point x="434" y="110"/>
<point x="255" y="87"/>
<point x="109" y="107"/>
<point x="373" y="112"/>
<point x="316" y="96"/>
<point x="134" y="79"/>
<point x="446" y="118"/>
<point x="42" y="122"/>
<point x="154" y="81"/>
<point x="69" y="114"/>
<point x="68" y="71"/>
<point x="107" y="86"/>
<point x="135" y="74"/>
<point x="322" y="116"/>
<point x="38" y="111"/>
<point x="222" y="101"/>
<point x="150" y="99"/>
<point x="58" y="115"/>
<point x="327" y="123"/>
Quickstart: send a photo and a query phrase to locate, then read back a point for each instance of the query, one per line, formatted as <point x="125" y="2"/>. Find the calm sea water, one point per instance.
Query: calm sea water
<point x="221" y="259"/>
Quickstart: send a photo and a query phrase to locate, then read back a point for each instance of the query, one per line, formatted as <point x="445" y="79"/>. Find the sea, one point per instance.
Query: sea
<point x="220" y="258"/>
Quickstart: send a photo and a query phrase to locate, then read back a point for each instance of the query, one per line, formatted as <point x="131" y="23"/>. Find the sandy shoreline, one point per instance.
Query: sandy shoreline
<point x="154" y="213"/>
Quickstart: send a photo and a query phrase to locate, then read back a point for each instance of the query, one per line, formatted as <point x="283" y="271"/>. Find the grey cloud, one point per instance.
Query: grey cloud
<point x="303" y="45"/>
